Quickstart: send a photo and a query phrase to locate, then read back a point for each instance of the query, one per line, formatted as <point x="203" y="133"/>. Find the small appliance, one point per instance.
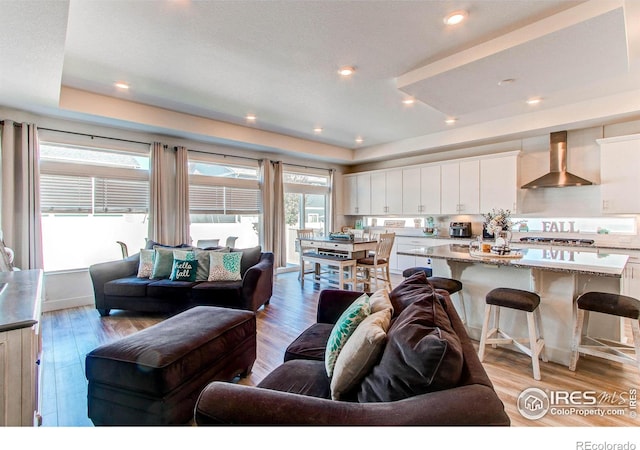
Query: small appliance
<point x="460" y="229"/>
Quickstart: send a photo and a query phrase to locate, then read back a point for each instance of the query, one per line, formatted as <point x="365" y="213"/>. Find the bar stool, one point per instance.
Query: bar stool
<point x="612" y="304"/>
<point x="448" y="284"/>
<point x="522" y="301"/>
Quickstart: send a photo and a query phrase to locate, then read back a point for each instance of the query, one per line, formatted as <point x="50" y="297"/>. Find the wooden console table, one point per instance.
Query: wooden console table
<point x="20" y="347"/>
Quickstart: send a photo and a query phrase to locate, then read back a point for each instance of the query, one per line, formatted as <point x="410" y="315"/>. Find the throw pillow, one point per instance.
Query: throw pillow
<point x="225" y="266"/>
<point x="409" y="291"/>
<point x="344" y="328"/>
<point x="360" y="353"/>
<point x="184" y="270"/>
<point x="250" y="257"/>
<point x="418" y="358"/>
<point x="162" y="262"/>
<point x="145" y="268"/>
<point x="202" y="273"/>
<point x="380" y="300"/>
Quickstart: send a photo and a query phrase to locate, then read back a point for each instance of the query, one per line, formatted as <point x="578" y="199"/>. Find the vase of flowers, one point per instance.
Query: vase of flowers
<point x="499" y="223"/>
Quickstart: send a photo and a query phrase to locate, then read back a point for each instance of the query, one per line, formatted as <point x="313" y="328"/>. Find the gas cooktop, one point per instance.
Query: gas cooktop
<point x="558" y="241"/>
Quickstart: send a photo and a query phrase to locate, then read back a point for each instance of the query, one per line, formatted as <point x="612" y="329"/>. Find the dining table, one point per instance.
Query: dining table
<point x="339" y="255"/>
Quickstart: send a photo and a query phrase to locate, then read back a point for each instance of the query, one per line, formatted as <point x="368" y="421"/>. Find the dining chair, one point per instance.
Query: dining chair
<point x="375" y="267"/>
<point x="205" y="243"/>
<point x="124" y="249"/>
<point x="305" y="233"/>
<point x="231" y="241"/>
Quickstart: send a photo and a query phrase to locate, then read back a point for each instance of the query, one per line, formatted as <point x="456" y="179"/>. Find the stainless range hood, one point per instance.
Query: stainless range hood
<point x="558" y="175"/>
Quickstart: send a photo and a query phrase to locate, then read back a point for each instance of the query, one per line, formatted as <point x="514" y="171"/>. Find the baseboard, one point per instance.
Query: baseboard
<point x="55" y="305"/>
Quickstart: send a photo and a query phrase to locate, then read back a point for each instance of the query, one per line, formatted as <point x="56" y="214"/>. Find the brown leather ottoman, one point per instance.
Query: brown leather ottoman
<point x="154" y="376"/>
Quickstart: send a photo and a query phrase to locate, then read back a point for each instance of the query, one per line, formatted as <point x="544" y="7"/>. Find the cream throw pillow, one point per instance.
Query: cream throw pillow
<point x="360" y="353"/>
<point x="380" y="300"/>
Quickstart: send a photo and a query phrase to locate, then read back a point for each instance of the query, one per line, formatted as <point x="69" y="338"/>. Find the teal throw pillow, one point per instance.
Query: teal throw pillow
<point x="184" y="270"/>
<point x="344" y="328"/>
<point x="225" y="266"/>
<point x="162" y="262"/>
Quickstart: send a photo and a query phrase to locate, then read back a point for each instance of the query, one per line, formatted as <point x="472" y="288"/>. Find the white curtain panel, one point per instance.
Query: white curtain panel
<point x="273" y="226"/>
<point x="332" y="202"/>
<point x="279" y="227"/>
<point x="266" y="183"/>
<point x="182" y="195"/>
<point x="162" y="223"/>
<point x="21" y="222"/>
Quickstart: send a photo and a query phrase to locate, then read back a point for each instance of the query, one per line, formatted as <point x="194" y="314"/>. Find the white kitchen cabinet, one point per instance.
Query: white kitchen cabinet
<point x="386" y="192"/>
<point x="499" y="183"/>
<point x="620" y="174"/>
<point x="421" y="190"/>
<point x="460" y="187"/>
<point x="357" y="194"/>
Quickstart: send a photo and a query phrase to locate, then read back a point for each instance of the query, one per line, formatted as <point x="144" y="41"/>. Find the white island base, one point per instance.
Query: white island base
<point x="557" y="289"/>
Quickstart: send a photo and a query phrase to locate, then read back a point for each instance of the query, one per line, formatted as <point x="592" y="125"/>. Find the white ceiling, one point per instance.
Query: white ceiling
<point x="221" y="60"/>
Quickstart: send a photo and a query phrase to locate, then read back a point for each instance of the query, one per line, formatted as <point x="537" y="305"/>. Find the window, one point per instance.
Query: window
<point x="90" y="198"/>
<point x="224" y="200"/>
<point x="306" y="205"/>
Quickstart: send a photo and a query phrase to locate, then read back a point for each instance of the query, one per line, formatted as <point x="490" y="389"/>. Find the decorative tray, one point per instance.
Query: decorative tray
<point x="514" y="254"/>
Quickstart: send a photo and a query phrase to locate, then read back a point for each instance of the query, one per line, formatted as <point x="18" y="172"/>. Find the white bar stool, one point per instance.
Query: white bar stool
<point x="612" y="304"/>
<point x="523" y="301"/>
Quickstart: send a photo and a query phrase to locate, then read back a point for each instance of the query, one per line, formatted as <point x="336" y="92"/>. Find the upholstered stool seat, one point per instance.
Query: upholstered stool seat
<point x="448" y="284"/>
<point x="154" y="376"/>
<point x="520" y="300"/>
<point x="613" y="304"/>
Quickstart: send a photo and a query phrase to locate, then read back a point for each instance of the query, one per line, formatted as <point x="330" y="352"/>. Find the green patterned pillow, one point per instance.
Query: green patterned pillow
<point x="344" y="328"/>
<point x="204" y="259"/>
<point x="225" y="266"/>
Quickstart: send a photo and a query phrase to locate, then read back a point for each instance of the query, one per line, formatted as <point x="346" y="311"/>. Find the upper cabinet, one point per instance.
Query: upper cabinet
<point x="498" y="182"/>
<point x="386" y="192"/>
<point x="460" y="187"/>
<point x="357" y="194"/>
<point x="463" y="186"/>
<point x="620" y="174"/>
<point x="421" y="190"/>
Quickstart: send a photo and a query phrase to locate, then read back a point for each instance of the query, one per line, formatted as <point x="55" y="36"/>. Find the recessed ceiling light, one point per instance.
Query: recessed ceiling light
<point x="359" y="140"/>
<point x="450" y="121"/>
<point x="122" y="85"/>
<point x="455" y="17"/>
<point x="534" y="101"/>
<point x="346" y="71"/>
<point x="409" y="101"/>
<point x="250" y="117"/>
<point x="317" y="130"/>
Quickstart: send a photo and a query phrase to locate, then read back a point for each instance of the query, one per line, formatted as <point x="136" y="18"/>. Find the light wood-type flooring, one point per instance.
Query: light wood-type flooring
<point x="69" y="334"/>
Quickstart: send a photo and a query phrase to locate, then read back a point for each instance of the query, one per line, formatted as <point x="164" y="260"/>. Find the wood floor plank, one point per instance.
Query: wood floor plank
<point x="69" y="334"/>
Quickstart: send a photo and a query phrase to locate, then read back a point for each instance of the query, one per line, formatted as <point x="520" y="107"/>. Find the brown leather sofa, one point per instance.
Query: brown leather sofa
<point x="116" y="286"/>
<point x="298" y="392"/>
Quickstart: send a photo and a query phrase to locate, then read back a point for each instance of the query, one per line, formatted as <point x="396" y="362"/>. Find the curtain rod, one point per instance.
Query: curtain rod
<point x="94" y="136"/>
<point x="255" y="159"/>
<point x="188" y="149"/>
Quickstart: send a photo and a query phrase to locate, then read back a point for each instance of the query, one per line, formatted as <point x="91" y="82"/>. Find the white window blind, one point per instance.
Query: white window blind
<point x="92" y="195"/>
<point x="207" y="199"/>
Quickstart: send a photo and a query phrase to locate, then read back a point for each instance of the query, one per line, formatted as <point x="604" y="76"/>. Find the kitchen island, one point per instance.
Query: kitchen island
<point x="558" y="275"/>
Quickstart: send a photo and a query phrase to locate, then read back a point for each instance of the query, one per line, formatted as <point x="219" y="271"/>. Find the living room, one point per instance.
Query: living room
<point x="315" y="152"/>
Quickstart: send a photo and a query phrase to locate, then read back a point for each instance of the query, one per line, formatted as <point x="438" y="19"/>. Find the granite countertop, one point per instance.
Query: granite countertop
<point x="20" y="299"/>
<point x="558" y="260"/>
